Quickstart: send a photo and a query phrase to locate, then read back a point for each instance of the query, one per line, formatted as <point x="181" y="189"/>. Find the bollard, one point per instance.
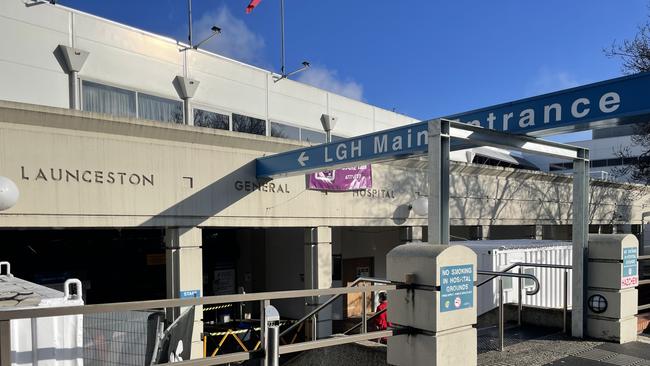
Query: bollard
<point x="612" y="298"/>
<point x="439" y="307"/>
<point x="272" y="339"/>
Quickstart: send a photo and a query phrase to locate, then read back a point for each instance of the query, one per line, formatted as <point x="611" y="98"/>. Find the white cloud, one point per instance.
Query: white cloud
<point x="236" y="40"/>
<point x="548" y="81"/>
<point x="327" y="79"/>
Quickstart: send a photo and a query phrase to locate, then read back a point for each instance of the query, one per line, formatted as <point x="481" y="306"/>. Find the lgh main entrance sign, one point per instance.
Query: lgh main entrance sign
<point x="605" y="104"/>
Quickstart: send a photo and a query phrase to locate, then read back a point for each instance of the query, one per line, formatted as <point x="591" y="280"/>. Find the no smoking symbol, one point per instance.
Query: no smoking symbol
<point x="457" y="302"/>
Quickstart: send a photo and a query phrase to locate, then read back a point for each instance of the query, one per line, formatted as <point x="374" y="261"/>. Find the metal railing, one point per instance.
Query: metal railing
<point x="364" y="315"/>
<point x="263" y="298"/>
<point x="361" y="322"/>
<point x="521" y="276"/>
<point x="640" y="259"/>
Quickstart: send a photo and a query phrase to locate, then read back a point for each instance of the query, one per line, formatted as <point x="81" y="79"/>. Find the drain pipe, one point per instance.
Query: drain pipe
<point x="74" y="59"/>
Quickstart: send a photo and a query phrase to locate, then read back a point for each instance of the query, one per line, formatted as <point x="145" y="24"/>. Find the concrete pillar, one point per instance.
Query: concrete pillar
<point x="442" y="322"/>
<point x="184" y="261"/>
<point x="484" y="232"/>
<point x="318" y="274"/>
<point x="612" y="298"/>
<point x="539" y="232"/>
<point x="410" y="233"/>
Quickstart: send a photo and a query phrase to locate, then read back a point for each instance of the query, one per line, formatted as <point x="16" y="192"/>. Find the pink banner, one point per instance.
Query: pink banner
<point x="345" y="179"/>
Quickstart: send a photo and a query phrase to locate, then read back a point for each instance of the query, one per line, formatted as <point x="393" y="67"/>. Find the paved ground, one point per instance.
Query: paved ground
<point x="540" y="347"/>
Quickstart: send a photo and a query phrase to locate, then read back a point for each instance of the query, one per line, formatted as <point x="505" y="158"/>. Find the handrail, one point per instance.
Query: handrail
<point x="23" y="313"/>
<point x="523" y="264"/>
<point x="367" y="320"/>
<point x="516" y="275"/>
<point x="332" y="299"/>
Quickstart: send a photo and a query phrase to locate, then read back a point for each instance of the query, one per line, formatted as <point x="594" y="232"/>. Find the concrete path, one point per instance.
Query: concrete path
<point x="558" y="349"/>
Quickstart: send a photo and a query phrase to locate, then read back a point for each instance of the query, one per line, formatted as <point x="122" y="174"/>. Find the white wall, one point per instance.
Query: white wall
<point x="126" y="57"/>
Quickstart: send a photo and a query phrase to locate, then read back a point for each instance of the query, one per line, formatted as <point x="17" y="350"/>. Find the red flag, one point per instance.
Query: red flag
<point x="252" y="6"/>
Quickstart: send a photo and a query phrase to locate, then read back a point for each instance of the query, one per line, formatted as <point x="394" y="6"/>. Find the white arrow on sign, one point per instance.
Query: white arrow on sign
<point x="302" y="158"/>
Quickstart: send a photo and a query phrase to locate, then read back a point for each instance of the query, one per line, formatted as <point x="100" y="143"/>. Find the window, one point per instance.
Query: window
<point x="312" y="136"/>
<point x="108" y="100"/>
<point x="507" y="283"/>
<point x="528" y="282"/>
<point x="337" y="138"/>
<point x="159" y="109"/>
<point x="285" y="131"/>
<point x="241" y="123"/>
<point x="615" y="162"/>
<point x="598" y="163"/>
<point x="211" y="119"/>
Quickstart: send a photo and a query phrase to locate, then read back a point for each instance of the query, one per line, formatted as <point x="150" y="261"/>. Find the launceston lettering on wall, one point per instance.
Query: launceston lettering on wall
<point x="86" y="176"/>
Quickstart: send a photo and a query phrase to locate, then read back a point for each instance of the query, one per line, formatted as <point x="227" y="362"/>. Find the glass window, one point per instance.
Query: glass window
<point x="248" y="124"/>
<point x="529" y="282"/>
<point x="615" y="162"/>
<point x="630" y="161"/>
<point x="107" y="99"/>
<point x="211" y="119"/>
<point x="159" y="109"/>
<point x="285" y="131"/>
<point x="312" y="136"/>
<point x="599" y="163"/>
<point x="507" y="283"/>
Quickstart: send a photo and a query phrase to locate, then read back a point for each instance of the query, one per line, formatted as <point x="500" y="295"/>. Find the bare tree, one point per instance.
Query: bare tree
<point x="635" y="56"/>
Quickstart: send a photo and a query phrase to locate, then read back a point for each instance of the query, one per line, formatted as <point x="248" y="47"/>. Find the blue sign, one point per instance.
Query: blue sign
<point x="604" y="104"/>
<point x="385" y="144"/>
<point x="189" y="294"/>
<point x="630" y="262"/>
<point x="630" y="273"/>
<point x="456" y="287"/>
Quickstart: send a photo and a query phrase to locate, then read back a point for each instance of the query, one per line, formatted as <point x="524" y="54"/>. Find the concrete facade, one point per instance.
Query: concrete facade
<point x="98" y="171"/>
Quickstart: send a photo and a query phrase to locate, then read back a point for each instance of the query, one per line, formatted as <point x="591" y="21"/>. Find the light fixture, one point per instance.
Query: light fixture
<point x="215" y="30"/>
<point x="8" y="193"/>
<point x="305" y="66"/>
<point x="420" y="206"/>
<point x="328" y="123"/>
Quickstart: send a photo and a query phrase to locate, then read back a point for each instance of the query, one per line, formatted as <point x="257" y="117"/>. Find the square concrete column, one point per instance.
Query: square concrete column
<point x="318" y="274"/>
<point x="484" y="232"/>
<point x="184" y="260"/>
<point x="612" y="298"/>
<point x="539" y="232"/>
<point x="410" y="233"/>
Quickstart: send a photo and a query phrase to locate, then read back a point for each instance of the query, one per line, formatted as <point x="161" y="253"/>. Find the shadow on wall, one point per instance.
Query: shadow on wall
<point x="501" y="194"/>
<point x="207" y="202"/>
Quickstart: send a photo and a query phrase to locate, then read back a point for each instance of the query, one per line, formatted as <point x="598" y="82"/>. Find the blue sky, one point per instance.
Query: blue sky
<point x="422" y="58"/>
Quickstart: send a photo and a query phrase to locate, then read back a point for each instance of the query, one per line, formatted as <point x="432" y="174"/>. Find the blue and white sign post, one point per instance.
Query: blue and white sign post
<point x="509" y="125"/>
<point x="604" y="104"/>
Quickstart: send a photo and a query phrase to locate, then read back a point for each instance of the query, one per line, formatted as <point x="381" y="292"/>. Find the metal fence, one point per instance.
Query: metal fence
<point x="119" y="338"/>
<point x="119" y="327"/>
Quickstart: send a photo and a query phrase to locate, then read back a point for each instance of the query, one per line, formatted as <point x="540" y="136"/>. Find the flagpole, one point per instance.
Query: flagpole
<point x="281" y="33"/>
<point x="189" y="16"/>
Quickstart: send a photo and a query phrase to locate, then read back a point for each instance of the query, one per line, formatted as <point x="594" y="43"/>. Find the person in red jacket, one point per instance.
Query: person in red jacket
<point x="381" y="320"/>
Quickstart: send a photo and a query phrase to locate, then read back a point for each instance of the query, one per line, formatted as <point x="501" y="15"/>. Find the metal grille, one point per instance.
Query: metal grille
<point x="118" y="338"/>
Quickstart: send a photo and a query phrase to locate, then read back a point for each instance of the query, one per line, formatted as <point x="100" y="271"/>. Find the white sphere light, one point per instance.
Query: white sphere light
<point x="421" y="206"/>
<point x="8" y="193"/>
